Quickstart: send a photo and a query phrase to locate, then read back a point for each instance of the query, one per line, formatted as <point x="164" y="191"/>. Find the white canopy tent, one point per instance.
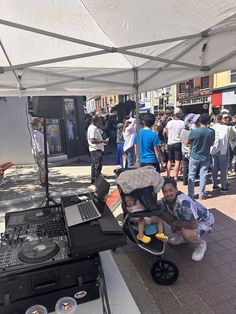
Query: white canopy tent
<point x="91" y="47"/>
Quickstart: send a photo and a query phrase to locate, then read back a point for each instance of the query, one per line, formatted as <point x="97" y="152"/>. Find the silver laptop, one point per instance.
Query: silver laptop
<point x="81" y="213"/>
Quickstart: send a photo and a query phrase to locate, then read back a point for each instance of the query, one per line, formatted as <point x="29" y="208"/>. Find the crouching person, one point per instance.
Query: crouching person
<point x="188" y="219"/>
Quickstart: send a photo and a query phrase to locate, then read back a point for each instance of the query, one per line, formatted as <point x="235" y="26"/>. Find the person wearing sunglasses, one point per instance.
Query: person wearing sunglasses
<point x="220" y="152"/>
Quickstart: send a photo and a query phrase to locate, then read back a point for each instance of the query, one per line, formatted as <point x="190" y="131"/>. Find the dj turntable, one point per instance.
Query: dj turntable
<point x="36" y="263"/>
<point x="32" y="237"/>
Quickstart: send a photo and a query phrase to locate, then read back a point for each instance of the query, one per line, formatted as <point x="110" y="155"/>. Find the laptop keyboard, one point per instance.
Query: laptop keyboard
<point x="88" y="211"/>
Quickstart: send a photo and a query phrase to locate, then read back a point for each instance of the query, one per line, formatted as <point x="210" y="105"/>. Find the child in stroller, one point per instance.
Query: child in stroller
<point x="133" y="206"/>
<point x="143" y="184"/>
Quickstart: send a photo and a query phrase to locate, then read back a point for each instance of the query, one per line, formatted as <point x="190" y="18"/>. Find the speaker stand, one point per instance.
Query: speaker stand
<point x="48" y="198"/>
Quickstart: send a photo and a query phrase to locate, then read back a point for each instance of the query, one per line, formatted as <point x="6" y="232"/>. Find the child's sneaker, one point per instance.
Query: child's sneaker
<point x="161" y="236"/>
<point x="145" y="239"/>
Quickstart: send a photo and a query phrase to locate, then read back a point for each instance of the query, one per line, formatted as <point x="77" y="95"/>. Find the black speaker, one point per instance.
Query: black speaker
<point x="51" y="107"/>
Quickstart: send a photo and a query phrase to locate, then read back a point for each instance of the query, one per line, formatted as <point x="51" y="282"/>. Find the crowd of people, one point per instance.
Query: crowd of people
<point x="195" y="145"/>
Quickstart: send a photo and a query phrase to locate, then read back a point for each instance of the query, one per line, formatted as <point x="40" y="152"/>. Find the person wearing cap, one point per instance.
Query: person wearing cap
<point x="191" y="122"/>
<point x="201" y="139"/>
<point x="173" y="130"/>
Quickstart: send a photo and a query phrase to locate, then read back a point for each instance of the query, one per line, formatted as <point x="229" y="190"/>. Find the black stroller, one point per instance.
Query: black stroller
<point x="163" y="271"/>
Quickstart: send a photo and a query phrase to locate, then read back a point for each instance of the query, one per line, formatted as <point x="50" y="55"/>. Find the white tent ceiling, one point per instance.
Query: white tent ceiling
<point x="81" y="47"/>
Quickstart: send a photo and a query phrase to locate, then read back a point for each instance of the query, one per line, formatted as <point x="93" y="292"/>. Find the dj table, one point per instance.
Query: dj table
<point x="42" y="259"/>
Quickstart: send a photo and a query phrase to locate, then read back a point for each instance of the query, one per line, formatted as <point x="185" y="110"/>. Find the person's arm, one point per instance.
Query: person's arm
<point x="190" y="138"/>
<point x="94" y="135"/>
<point x="135" y="152"/>
<point x="131" y="126"/>
<point x="96" y="141"/>
<point x="165" y="131"/>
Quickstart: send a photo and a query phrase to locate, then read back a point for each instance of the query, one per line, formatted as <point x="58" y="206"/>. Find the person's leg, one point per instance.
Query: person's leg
<point x="193" y="164"/>
<point x="168" y="167"/>
<point x="191" y="236"/>
<point x="141" y="224"/>
<point x="215" y="169"/>
<point x="129" y="153"/>
<point x="203" y="178"/>
<point x="98" y="163"/>
<point x="176" y="168"/>
<point x="185" y="162"/>
<point x="160" y="234"/>
<point x="223" y="165"/>
<point x="41" y="168"/>
<point x="170" y="158"/>
<point x="141" y="236"/>
<point x="178" y="158"/>
<point x="93" y="159"/>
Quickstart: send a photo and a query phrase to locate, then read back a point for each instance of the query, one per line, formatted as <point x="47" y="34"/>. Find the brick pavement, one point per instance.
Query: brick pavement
<point x="205" y="287"/>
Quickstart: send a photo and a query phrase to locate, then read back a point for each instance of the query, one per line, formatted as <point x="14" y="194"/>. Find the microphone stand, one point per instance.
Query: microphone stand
<point x="48" y="198"/>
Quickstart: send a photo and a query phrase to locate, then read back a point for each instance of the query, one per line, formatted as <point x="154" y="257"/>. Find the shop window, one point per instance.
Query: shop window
<point x="54" y="136"/>
<point x="181" y="88"/>
<point x="204" y="82"/>
<point x="190" y="87"/>
<point x="233" y="76"/>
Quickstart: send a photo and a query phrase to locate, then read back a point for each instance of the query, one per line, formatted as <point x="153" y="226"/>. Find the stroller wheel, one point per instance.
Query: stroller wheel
<point x="164" y="272"/>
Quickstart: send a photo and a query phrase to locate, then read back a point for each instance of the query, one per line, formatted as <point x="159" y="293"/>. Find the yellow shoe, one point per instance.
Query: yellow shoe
<point x="145" y="239"/>
<point x="161" y="236"/>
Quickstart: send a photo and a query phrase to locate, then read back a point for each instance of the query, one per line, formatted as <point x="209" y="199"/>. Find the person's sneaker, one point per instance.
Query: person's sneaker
<point x="145" y="239"/>
<point x="161" y="236"/>
<point x="199" y="252"/>
<point x="202" y="197"/>
<point x="215" y="187"/>
<point x="177" y="240"/>
<point x="224" y="189"/>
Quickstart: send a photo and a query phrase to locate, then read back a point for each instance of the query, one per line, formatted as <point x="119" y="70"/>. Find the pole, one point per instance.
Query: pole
<point x="135" y="92"/>
<point x="47" y="197"/>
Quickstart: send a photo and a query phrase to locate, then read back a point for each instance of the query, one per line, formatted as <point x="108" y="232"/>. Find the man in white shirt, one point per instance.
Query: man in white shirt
<point x="173" y="130"/>
<point x="38" y="149"/>
<point x="96" y="148"/>
<point x="220" y="152"/>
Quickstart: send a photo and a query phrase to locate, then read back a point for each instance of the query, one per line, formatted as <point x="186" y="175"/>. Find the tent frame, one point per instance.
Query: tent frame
<point x="125" y="50"/>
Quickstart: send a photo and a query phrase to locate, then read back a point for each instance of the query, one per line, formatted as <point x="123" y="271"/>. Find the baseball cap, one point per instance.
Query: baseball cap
<point x="178" y="111"/>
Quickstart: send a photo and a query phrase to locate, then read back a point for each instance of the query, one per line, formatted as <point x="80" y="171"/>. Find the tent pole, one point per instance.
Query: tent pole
<point x="136" y="92"/>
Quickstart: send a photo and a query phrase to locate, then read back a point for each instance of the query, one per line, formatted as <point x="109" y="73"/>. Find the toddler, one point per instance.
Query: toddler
<point x="134" y="205"/>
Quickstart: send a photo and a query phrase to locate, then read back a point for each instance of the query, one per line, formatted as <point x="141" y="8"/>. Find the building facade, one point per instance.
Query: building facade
<point x="195" y="95"/>
<point x="224" y="91"/>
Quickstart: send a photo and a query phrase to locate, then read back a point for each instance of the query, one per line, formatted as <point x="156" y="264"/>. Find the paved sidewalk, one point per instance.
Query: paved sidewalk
<point x="205" y="287"/>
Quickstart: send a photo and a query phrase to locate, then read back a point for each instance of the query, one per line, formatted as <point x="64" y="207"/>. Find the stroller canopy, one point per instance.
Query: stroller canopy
<point x="133" y="179"/>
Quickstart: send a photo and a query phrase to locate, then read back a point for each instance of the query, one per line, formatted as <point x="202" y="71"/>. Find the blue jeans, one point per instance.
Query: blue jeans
<point x="220" y="163"/>
<point x="129" y="154"/>
<point x="193" y="167"/>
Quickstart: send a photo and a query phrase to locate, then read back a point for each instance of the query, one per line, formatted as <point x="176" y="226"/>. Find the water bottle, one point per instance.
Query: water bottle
<point x="66" y="305"/>
<point x="37" y="309"/>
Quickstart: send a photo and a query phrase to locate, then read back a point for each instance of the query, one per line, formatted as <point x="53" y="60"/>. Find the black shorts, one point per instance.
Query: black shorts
<point x="175" y="151"/>
<point x="155" y="165"/>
